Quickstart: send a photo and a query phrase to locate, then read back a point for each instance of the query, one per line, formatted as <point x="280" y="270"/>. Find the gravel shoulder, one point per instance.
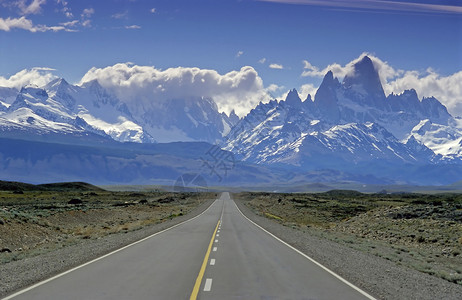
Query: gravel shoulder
<point x="19" y="274"/>
<point x="379" y="277"/>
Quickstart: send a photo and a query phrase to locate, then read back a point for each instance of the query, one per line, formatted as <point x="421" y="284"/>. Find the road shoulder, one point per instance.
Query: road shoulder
<point x="17" y="275"/>
<point x="377" y="276"/>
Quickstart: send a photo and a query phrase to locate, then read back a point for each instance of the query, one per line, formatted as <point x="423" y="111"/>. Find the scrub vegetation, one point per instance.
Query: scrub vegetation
<point x="419" y="231"/>
<point x="38" y="219"/>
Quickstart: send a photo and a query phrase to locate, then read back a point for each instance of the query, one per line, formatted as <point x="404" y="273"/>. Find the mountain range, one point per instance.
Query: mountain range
<point x="349" y="127"/>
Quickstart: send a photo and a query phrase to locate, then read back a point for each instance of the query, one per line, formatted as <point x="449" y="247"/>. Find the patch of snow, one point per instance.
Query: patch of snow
<point x="122" y="131"/>
<point x="5" y="104"/>
<point x="192" y="120"/>
<point x="314" y="122"/>
<point x="226" y="128"/>
<point x="163" y="135"/>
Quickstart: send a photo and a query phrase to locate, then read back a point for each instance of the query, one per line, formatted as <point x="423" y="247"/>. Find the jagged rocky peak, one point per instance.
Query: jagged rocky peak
<point x="30" y="94"/>
<point x="329" y="83"/>
<point x="233" y="117"/>
<point x="364" y="79"/>
<point x="293" y="98"/>
<point x="329" y="80"/>
<point x="61" y="88"/>
<point x="411" y="93"/>
<point x="58" y="83"/>
<point x="326" y="99"/>
<point x="93" y="85"/>
<point x="436" y="108"/>
<point x="63" y="92"/>
<point x="33" y="92"/>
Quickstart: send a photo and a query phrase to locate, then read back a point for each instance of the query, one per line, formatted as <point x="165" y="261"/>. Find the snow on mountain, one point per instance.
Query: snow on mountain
<point x="25" y="118"/>
<point x="186" y="119"/>
<point x="7" y="95"/>
<point x="104" y="111"/>
<point x="348" y="123"/>
<point x="59" y="107"/>
<point x="360" y="98"/>
<point x="442" y="139"/>
<point x="350" y="126"/>
<point x="289" y="135"/>
<point x="97" y="110"/>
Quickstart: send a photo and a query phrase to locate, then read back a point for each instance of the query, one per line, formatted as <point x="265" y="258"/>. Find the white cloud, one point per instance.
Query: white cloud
<point x="239" y="53"/>
<point x="34" y="7"/>
<point x="386" y="72"/>
<point x="153" y="10"/>
<point x="447" y="89"/>
<point x="307" y="89"/>
<point x="10" y="23"/>
<point x="262" y="61"/>
<point x="276" y="66"/>
<point x="26" y="24"/>
<point x="87" y="12"/>
<point x="120" y="15"/>
<point x="275" y="91"/>
<point x="240" y="90"/>
<point x="86" y="23"/>
<point x="65" y="8"/>
<point x="86" y="15"/>
<point x="70" y="23"/>
<point x="338" y="70"/>
<point x="36" y="76"/>
<point x="273" y="88"/>
<point x="133" y="27"/>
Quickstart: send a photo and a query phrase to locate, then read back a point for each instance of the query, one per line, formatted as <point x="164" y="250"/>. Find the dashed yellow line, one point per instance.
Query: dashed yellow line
<point x="197" y="286"/>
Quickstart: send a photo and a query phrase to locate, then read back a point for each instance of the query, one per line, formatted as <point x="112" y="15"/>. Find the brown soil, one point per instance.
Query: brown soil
<point x="39" y="221"/>
<point x="423" y="232"/>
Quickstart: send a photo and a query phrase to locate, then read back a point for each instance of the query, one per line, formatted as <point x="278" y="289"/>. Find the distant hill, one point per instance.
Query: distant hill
<point x="61" y="186"/>
<point x="70" y="186"/>
<point x="17" y="186"/>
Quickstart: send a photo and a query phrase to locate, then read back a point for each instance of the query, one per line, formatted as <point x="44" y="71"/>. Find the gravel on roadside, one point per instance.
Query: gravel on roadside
<point x="379" y="277"/>
<point x="19" y="274"/>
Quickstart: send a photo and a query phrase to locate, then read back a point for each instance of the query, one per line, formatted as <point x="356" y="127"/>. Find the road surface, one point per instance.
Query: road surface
<point x="220" y="254"/>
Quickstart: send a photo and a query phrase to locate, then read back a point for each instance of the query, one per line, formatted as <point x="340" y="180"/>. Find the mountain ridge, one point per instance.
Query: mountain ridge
<point x="349" y="125"/>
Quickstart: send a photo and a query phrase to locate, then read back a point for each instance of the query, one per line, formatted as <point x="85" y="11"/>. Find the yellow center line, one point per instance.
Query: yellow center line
<point x="204" y="265"/>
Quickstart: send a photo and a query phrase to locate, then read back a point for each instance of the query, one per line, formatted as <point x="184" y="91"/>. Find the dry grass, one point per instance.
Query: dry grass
<point x="423" y="232"/>
<point x="39" y="221"/>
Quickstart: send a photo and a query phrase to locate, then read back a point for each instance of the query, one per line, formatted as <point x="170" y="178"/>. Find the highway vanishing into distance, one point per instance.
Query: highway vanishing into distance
<point x="219" y="254"/>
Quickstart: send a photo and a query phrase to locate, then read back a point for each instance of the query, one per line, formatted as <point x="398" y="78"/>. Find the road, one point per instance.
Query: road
<point x="218" y="255"/>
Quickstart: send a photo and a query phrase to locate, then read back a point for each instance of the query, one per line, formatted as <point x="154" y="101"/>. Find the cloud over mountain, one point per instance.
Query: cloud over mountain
<point x="240" y="90"/>
<point x="35" y="76"/>
<point x="243" y="89"/>
<point x="427" y="84"/>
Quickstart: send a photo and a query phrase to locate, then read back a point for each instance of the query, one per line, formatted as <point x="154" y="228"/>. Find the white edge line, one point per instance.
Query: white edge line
<point x="309" y="258"/>
<point x="101" y="257"/>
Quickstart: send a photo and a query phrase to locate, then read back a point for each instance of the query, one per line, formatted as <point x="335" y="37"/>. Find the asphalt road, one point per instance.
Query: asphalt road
<point x="218" y="255"/>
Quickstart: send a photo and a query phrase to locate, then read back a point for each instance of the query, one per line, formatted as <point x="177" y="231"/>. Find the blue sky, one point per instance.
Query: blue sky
<point x="275" y="37"/>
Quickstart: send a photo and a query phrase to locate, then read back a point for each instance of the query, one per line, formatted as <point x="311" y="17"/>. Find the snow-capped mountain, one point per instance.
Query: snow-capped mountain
<point x="349" y="123"/>
<point x="349" y="127"/>
<point x="187" y="119"/>
<point x="360" y="98"/>
<point x="7" y="96"/>
<point x="60" y="107"/>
